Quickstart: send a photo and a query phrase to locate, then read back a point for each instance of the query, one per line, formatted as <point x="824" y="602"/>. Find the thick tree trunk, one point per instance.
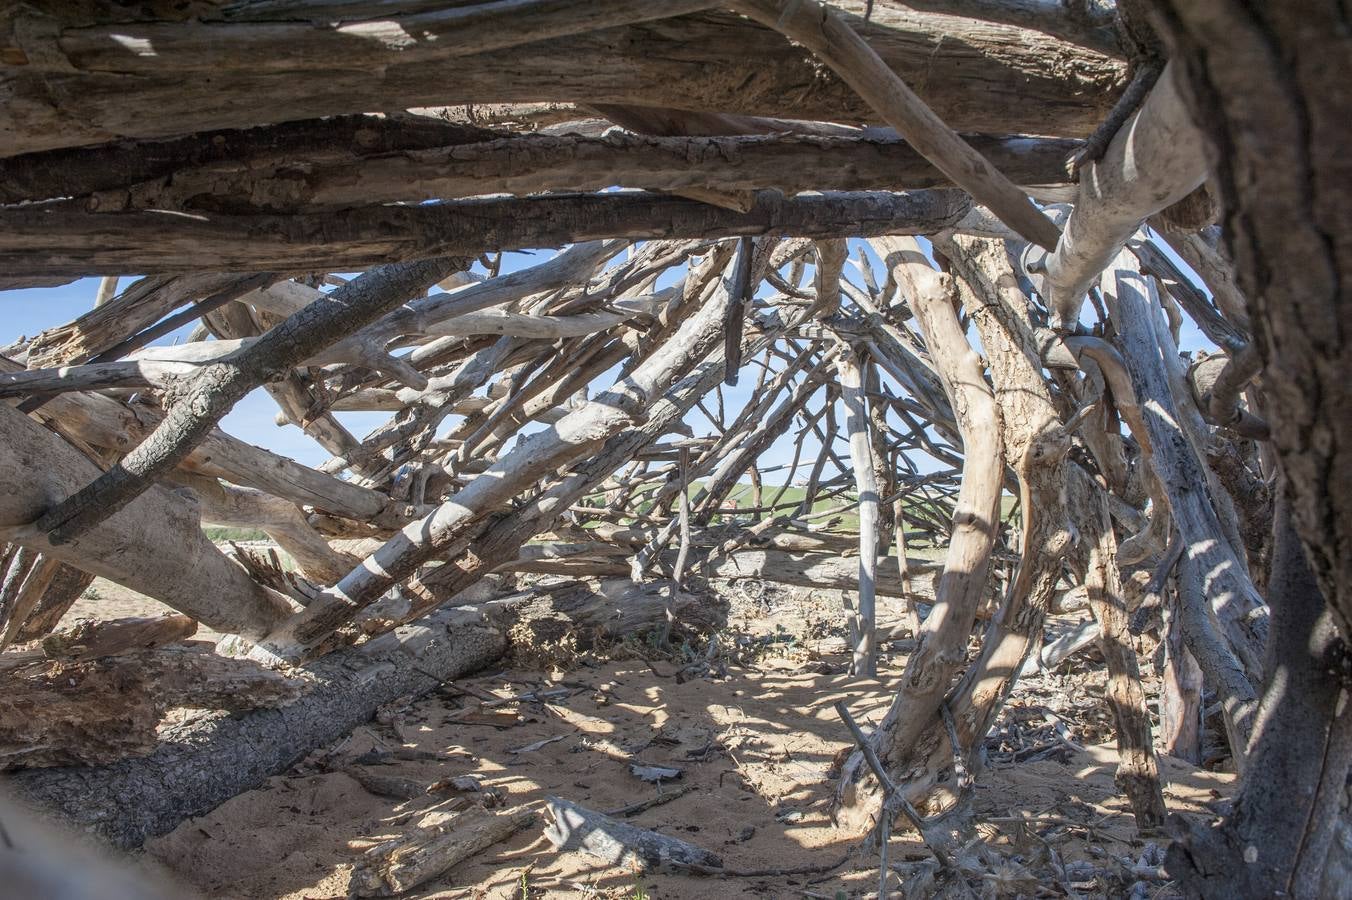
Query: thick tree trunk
<point x="91" y="712"/>
<point x="1275" y="840"/>
<point x="203" y="763"/>
<point x="206" y="762"/>
<point x="94" y="638"/>
<point x="1269" y="87"/>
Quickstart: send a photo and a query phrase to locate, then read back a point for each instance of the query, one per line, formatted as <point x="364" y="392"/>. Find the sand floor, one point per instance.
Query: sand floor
<point x="755" y="750"/>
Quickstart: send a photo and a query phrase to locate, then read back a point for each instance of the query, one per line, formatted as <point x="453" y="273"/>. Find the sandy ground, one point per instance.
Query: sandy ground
<point x="755" y="745"/>
<point x="107" y="600"/>
<point x="755" y="750"/>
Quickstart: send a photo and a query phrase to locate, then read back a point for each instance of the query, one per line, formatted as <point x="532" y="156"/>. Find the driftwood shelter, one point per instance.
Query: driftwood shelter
<point x="884" y="298"/>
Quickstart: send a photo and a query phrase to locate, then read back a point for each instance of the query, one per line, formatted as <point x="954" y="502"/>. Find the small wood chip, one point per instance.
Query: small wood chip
<point x="654" y="774"/>
<point x="531" y="748"/>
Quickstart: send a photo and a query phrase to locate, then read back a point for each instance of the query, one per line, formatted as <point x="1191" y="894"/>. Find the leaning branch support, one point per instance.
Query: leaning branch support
<point x="218" y="387"/>
<point x="837" y="44"/>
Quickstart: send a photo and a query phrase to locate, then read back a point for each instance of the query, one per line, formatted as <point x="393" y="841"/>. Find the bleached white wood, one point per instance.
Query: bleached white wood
<point x="1156" y="159"/>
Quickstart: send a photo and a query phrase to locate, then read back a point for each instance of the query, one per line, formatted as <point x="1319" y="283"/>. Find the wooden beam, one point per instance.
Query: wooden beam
<point x="479" y="163"/>
<point x="365" y="36"/>
<point x="975" y="75"/>
<point x="78" y="171"/>
<point x="1089" y="24"/>
<point x="63" y="240"/>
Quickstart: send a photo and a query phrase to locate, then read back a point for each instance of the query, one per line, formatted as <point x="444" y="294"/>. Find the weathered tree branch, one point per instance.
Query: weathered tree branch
<point x="977" y="76"/>
<point x="830" y="38"/>
<point x="501" y="162"/>
<point x="57" y="240"/>
<point x="217" y="388"/>
<point x="154" y="545"/>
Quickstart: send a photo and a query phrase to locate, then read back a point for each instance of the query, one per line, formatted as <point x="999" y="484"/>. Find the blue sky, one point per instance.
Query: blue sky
<point x="27" y="312"/>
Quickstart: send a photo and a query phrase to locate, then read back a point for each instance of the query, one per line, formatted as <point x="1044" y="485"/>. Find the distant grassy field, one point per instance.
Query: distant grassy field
<point x="740" y="497"/>
<point x="221" y="533"/>
<point x="847" y="520"/>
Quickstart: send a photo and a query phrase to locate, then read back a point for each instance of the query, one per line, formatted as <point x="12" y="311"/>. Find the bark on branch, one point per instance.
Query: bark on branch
<point x="62" y="240"/>
<point x="977" y="76"/>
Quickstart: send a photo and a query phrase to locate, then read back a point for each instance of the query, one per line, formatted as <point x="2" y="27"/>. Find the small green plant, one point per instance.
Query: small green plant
<point x="525" y="886"/>
<point x="639" y="893"/>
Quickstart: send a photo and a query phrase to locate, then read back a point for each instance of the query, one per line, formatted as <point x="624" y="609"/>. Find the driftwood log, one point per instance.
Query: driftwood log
<point x="94" y="638"/>
<point x="1003" y="88"/>
<point x="426" y="850"/>
<point x="154" y="545"/>
<point x="70" y="712"/>
<point x="202" y="764"/>
<point x="625" y="846"/>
